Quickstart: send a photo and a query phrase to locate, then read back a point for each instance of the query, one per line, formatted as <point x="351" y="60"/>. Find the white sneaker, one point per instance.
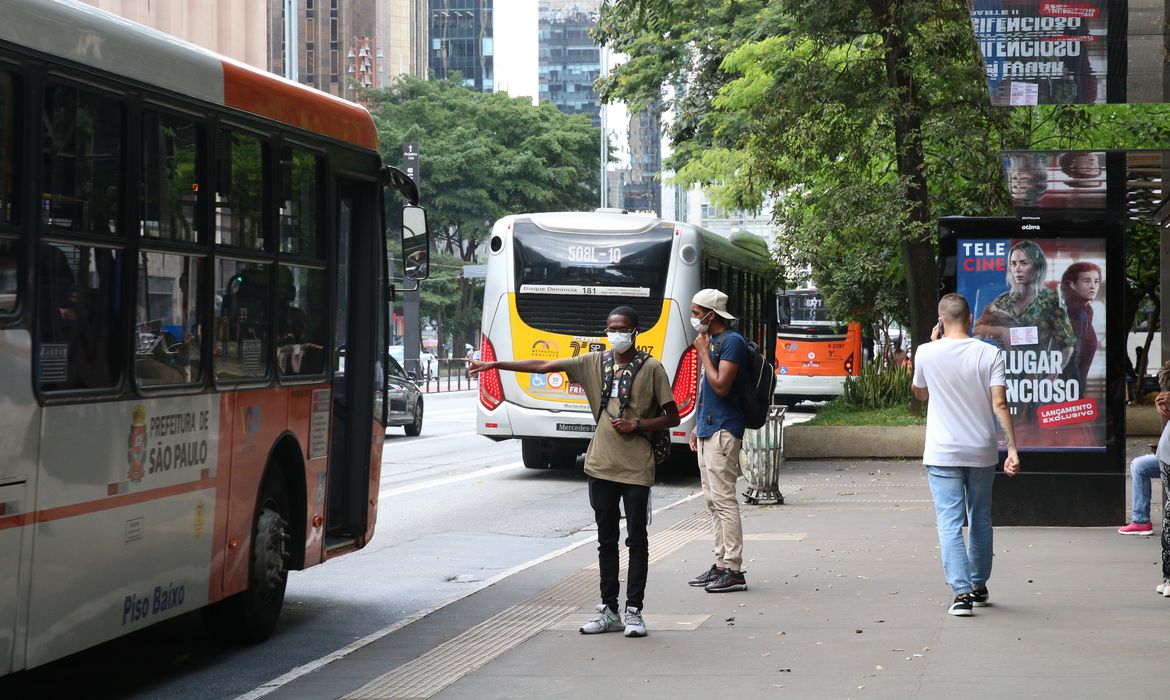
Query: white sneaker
<point x="1164" y="588"/>
<point x="635" y="625"/>
<point x="605" y="620"/>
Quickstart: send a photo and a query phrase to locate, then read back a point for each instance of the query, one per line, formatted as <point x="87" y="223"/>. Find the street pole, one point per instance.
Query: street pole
<point x="291" y="41"/>
<point x="603" y="179"/>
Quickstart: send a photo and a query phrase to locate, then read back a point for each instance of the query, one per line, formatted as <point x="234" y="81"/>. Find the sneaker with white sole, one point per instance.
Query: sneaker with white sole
<point x="979" y="597"/>
<point x="605" y="620"/>
<point x="635" y="625"/>
<point x="962" y="606"/>
<point x="1164" y="588"/>
<point x="1136" y="528"/>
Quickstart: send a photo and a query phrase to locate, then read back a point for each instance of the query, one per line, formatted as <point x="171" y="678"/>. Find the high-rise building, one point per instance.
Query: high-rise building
<point x="462" y="42"/>
<point x="229" y="27"/>
<point x="643" y="190"/>
<point x="569" y="61"/>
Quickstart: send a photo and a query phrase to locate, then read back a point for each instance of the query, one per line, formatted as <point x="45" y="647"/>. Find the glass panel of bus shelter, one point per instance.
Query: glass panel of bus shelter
<point x="79" y="307"/>
<point x="9" y="294"/>
<point x="170" y="185"/>
<point x="8" y="200"/>
<point x="298" y="203"/>
<point x="239" y="190"/>
<point x="301" y="336"/>
<point x="241" y="320"/>
<point x="167" y="326"/>
<point x="82" y="151"/>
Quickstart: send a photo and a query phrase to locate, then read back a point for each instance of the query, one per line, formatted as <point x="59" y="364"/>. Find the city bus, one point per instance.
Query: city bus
<point x="188" y="249"/>
<point x="553" y="278"/>
<point x="814" y="352"/>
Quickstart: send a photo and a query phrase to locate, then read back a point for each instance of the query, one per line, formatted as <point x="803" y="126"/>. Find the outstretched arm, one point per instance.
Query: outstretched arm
<point x="474" y="367"/>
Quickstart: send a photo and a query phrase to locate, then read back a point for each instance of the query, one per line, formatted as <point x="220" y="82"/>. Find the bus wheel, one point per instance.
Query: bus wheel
<point x="563" y="459"/>
<point x="533" y="454"/>
<point x="415" y="428"/>
<point x="250" y="616"/>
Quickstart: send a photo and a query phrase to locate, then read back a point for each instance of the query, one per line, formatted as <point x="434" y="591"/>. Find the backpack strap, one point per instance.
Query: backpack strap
<point x="625" y="380"/>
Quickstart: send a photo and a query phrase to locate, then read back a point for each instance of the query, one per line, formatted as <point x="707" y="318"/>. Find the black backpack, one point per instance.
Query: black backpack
<point x="758" y="378"/>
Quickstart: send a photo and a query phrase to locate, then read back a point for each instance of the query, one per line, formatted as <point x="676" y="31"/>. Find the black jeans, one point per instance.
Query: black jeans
<point x="604" y="496"/>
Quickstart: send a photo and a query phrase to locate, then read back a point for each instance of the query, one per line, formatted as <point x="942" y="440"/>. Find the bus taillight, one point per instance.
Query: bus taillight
<point x="685" y="380"/>
<point x="491" y="392"/>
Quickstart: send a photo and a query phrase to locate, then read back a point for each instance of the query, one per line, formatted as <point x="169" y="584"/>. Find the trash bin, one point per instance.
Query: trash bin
<point x="760" y="456"/>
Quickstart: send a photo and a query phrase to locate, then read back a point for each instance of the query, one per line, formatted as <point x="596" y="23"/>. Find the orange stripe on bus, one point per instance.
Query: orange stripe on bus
<point x="89" y="507"/>
<point x="271" y="96"/>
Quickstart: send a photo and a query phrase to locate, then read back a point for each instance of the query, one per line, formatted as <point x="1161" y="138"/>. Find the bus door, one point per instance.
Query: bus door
<point x="358" y="372"/>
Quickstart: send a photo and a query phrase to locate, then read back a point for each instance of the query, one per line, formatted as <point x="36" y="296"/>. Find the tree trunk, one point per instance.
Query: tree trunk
<point x="917" y="248"/>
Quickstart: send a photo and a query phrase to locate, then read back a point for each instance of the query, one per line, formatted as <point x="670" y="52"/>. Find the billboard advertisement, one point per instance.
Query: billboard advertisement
<point x="1043" y="52"/>
<point x="1043" y="303"/>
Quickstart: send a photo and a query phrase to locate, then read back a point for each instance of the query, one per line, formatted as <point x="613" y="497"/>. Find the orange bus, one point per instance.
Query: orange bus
<point x="814" y="352"/>
<point x="192" y="331"/>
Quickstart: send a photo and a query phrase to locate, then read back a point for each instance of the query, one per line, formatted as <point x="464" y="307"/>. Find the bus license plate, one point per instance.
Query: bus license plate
<point x="574" y="428"/>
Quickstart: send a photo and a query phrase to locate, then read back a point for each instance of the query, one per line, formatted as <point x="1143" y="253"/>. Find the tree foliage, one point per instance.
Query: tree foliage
<point x="865" y="120"/>
<point x="482" y="156"/>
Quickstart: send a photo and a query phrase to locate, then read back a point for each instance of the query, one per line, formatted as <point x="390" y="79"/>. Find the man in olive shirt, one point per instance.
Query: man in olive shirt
<point x="619" y="461"/>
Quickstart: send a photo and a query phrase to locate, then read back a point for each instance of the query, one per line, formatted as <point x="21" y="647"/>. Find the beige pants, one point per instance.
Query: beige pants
<point x="719" y="469"/>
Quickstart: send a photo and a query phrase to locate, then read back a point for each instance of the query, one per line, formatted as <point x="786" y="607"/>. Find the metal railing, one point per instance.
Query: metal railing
<point x="451" y="376"/>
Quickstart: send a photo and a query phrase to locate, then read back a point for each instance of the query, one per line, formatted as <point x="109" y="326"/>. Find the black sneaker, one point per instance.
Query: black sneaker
<point x="962" y="605"/>
<point x="727" y="582"/>
<point x="706" y="577"/>
<point x="979" y="597"/>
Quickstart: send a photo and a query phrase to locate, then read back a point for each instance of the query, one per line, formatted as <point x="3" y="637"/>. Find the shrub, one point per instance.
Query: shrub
<point x="879" y="387"/>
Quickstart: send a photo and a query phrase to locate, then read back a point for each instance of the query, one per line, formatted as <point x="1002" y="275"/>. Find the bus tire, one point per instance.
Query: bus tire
<point x="250" y="616"/>
<point x="414" y="428"/>
<point x="533" y="454"/>
<point x="562" y="458"/>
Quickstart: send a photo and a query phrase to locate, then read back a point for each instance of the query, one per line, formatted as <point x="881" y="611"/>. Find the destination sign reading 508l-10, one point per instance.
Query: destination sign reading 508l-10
<point x="592" y="254"/>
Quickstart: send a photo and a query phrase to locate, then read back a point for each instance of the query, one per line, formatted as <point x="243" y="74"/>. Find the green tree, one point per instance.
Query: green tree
<point x="482" y="156"/>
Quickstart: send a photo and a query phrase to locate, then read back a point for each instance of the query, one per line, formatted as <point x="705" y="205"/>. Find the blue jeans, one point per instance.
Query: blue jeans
<point x="1143" y="469"/>
<point x="963" y="492"/>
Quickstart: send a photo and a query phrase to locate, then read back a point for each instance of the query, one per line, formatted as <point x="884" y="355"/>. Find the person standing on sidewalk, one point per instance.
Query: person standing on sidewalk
<point x="964" y="379"/>
<point x="718" y="435"/>
<point x="619" y="461"/>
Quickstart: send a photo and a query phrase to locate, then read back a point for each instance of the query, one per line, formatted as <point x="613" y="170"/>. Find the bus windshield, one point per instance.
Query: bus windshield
<point x="600" y="264"/>
<point x="804" y="309"/>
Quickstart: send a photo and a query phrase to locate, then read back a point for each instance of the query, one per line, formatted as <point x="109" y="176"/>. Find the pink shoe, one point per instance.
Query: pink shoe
<point x="1136" y="529"/>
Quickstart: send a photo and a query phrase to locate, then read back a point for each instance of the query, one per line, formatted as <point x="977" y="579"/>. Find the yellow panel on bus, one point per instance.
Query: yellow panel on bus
<point x="528" y="343"/>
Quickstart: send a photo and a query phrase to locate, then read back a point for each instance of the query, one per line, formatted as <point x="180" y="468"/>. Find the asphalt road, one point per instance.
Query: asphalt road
<point x="455" y="510"/>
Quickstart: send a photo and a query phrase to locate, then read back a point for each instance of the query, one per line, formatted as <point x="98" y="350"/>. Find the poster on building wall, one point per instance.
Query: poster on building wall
<point x="1042" y="52"/>
<point x="1042" y="302"/>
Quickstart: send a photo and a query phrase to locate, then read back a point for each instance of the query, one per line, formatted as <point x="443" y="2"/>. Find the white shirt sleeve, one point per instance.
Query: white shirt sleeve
<point x="998" y="370"/>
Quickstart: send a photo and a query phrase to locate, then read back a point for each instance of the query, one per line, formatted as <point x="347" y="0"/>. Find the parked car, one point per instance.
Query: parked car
<point x="427" y="362"/>
<point x="405" y="399"/>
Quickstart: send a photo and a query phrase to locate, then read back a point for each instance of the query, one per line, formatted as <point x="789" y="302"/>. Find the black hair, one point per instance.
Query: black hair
<point x="628" y="312"/>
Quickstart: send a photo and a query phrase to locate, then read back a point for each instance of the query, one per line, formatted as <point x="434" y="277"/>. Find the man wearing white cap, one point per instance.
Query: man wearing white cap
<point x="718" y="434"/>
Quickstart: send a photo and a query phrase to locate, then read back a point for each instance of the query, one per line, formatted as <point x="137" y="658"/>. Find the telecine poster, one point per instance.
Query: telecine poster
<point x="1042" y="303"/>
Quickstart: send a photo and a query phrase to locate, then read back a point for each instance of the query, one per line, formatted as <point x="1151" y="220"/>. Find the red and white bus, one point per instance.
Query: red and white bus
<point x="192" y="331"/>
<point x="814" y="352"/>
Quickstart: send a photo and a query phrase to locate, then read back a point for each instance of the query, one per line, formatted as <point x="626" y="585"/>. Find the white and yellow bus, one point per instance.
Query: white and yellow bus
<point x="552" y="280"/>
<point x="189" y="248"/>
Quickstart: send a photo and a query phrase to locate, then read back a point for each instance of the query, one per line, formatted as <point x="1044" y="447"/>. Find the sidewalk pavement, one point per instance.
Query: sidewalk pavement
<point x="847" y="599"/>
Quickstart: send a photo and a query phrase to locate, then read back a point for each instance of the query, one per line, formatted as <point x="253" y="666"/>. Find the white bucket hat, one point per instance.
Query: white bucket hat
<point x="713" y="299"/>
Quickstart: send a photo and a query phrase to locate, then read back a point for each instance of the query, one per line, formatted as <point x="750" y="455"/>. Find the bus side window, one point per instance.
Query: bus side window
<point x="241" y="321"/>
<point x="79" y="338"/>
<point x="82" y="149"/>
<point x="167" y="327"/>
<point x="301" y="337"/>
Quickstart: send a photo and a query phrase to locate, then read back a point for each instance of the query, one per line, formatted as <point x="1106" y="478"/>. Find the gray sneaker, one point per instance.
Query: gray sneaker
<point x="635" y="625"/>
<point x="605" y="620"/>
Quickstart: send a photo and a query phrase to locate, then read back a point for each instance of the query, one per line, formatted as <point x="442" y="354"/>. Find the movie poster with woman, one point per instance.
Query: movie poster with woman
<point x="1042" y="303"/>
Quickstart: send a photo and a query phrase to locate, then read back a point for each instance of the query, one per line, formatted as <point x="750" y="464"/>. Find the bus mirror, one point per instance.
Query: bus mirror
<point x="415" y="243"/>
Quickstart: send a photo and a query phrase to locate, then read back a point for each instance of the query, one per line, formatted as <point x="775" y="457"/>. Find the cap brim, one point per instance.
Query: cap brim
<point x="724" y="314"/>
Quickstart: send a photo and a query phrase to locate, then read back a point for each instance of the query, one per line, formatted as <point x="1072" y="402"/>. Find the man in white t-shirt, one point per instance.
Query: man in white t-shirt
<point x="964" y="380"/>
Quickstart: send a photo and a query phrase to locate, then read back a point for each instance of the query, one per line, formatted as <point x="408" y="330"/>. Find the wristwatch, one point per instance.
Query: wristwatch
<point x="637" y="424"/>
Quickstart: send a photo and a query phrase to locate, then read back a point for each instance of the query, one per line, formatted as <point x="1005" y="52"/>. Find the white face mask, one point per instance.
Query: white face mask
<point x="699" y="326"/>
<point x="620" y="342"/>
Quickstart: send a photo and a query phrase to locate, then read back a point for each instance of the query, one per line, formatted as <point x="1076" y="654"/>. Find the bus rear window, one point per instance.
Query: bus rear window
<point x="598" y="264"/>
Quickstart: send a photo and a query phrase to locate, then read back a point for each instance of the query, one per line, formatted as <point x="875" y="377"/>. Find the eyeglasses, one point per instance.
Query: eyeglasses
<point x="620" y="330"/>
